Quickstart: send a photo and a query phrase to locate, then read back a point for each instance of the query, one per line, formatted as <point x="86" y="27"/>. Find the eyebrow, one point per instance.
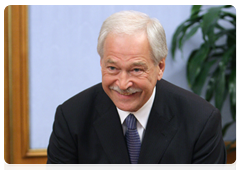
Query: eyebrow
<point x="111" y="61"/>
<point x="140" y="64"/>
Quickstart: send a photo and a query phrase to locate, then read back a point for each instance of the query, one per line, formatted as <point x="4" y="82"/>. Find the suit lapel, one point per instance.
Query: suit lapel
<point x="159" y="133"/>
<point x="109" y="131"/>
<point x="160" y="130"/>
<point x="161" y="127"/>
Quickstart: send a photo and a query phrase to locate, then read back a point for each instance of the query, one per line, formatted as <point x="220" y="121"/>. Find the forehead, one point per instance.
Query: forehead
<point x="126" y="45"/>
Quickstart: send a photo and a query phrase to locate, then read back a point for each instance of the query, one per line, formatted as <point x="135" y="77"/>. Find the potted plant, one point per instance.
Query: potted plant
<point x="213" y="62"/>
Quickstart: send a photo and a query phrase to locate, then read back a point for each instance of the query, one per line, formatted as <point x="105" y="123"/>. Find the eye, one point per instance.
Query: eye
<point x="136" y="70"/>
<point x="112" y="68"/>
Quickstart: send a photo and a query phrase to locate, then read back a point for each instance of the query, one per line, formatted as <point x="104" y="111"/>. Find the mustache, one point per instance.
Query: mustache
<point x="128" y="91"/>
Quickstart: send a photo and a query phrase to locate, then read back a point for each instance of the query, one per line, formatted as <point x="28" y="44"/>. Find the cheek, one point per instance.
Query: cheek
<point x="147" y="83"/>
<point x="104" y="73"/>
<point x="156" y="75"/>
<point x="107" y="79"/>
<point x="149" y="78"/>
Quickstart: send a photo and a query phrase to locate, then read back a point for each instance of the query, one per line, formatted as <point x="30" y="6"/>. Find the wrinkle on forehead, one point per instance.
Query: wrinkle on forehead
<point x="135" y="63"/>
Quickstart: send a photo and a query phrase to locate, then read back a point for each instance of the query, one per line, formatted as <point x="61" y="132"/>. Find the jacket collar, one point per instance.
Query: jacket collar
<point x="109" y="130"/>
<point x="160" y="130"/>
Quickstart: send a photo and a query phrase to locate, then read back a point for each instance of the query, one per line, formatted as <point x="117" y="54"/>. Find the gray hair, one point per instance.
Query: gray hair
<point x="128" y="22"/>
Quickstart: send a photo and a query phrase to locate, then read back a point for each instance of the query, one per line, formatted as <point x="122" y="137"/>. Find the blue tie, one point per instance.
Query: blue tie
<point x="132" y="138"/>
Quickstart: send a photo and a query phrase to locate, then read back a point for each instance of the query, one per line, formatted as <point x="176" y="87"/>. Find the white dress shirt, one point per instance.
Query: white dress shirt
<point x="141" y="115"/>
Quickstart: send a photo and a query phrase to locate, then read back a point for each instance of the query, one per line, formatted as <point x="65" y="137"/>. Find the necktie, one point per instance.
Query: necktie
<point x="132" y="138"/>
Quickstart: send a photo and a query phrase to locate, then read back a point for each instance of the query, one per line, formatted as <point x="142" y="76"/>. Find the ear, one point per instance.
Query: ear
<point x="161" y="66"/>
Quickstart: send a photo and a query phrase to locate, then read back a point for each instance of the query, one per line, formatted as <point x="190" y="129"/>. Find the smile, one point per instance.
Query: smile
<point x="126" y="94"/>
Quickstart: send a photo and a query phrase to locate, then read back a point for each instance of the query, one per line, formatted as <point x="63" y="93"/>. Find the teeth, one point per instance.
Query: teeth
<point x="126" y="94"/>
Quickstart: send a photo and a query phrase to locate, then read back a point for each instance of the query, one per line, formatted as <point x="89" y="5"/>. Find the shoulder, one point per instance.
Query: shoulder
<point x="184" y="103"/>
<point x="82" y="110"/>
<point x="83" y="105"/>
<point x="171" y="92"/>
<point x="189" y="110"/>
<point x="84" y="97"/>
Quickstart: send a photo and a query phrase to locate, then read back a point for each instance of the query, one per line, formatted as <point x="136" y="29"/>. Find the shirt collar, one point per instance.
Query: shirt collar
<point x="142" y="114"/>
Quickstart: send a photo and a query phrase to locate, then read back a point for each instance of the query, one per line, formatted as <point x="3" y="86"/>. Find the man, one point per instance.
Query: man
<point x="134" y="116"/>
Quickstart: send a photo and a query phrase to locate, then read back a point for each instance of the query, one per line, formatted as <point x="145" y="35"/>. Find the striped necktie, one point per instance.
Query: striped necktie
<point x="132" y="138"/>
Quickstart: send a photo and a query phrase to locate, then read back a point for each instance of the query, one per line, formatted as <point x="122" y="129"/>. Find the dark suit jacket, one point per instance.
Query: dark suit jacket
<point x="182" y="128"/>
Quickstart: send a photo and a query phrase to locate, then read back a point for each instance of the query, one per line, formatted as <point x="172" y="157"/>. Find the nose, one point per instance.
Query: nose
<point x="124" y="81"/>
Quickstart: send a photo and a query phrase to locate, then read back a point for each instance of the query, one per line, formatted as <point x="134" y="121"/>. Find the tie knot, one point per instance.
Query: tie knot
<point x="131" y="121"/>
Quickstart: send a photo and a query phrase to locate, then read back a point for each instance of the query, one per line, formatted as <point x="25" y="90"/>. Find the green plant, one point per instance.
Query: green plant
<point x="214" y="62"/>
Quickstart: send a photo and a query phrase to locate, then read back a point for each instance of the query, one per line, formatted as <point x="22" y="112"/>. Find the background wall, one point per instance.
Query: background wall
<point x="63" y="59"/>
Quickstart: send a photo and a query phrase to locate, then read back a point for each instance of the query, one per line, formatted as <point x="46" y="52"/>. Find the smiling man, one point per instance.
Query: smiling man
<point x="134" y="116"/>
<point x="129" y="74"/>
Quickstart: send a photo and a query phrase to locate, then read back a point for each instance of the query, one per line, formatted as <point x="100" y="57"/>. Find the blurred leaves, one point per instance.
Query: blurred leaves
<point x="213" y="64"/>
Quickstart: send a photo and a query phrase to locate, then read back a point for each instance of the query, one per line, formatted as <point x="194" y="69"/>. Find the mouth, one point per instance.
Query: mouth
<point x="126" y="96"/>
<point x="125" y="93"/>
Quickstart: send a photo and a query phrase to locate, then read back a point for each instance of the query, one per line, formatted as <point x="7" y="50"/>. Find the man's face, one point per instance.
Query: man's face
<point x="129" y="75"/>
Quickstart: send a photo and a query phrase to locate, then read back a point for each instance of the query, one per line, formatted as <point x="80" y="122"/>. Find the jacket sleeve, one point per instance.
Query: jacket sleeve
<point x="61" y="148"/>
<point x="210" y="147"/>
